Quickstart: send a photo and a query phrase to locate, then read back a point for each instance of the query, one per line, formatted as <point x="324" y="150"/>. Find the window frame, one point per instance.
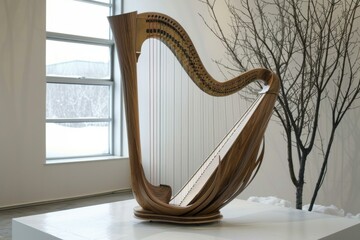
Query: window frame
<point x="62" y="37"/>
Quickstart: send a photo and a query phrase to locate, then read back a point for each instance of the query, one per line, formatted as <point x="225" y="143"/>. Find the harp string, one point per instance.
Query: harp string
<point x="152" y="83"/>
<point x="151" y="110"/>
<point x="184" y="125"/>
<point x="194" y="185"/>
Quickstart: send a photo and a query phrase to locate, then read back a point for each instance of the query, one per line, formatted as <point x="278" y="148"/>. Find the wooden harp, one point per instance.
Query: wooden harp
<point x="234" y="162"/>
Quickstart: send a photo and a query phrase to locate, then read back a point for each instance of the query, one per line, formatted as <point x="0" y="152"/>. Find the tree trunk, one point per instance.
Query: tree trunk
<point x="323" y="169"/>
<point x="299" y="195"/>
<point x="300" y="185"/>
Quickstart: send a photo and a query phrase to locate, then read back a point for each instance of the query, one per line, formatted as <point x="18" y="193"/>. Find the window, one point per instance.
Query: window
<point x="80" y="84"/>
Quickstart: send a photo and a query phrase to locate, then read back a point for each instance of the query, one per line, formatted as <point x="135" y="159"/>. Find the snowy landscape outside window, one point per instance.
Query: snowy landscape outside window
<point x="79" y="90"/>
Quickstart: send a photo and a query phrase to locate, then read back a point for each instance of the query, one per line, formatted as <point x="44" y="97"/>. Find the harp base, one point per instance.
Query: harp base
<point x="142" y="214"/>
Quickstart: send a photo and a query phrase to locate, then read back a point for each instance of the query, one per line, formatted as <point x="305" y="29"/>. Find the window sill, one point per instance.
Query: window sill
<point x="85" y="159"/>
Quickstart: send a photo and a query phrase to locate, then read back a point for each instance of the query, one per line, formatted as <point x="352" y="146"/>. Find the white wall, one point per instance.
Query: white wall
<point x="24" y="177"/>
<point x="340" y="186"/>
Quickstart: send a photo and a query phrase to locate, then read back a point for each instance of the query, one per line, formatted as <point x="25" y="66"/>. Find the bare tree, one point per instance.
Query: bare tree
<point x="313" y="46"/>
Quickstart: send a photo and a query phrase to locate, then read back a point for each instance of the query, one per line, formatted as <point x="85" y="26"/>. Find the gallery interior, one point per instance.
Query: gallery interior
<point x="65" y="141"/>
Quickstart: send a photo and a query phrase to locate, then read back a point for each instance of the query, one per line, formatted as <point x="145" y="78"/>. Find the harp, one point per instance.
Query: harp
<point x="234" y="162"/>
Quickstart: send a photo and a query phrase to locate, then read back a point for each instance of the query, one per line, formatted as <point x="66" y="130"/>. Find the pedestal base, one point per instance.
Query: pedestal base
<point x="241" y="220"/>
<point x="154" y="217"/>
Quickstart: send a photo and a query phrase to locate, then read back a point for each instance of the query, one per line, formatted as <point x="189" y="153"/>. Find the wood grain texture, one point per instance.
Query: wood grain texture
<point x="240" y="164"/>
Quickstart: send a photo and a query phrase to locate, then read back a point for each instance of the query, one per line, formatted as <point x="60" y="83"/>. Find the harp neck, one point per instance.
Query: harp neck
<point x="172" y="34"/>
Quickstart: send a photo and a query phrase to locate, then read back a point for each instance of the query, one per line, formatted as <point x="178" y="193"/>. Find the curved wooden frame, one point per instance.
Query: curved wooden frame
<point x="236" y="170"/>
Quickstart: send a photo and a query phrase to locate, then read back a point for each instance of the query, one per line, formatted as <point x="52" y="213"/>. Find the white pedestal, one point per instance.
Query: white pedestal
<point x="242" y="220"/>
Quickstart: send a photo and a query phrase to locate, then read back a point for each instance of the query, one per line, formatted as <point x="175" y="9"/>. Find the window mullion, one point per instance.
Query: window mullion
<point x="97" y="3"/>
<point x="80" y="81"/>
<point x="77" y="120"/>
<point x="78" y="39"/>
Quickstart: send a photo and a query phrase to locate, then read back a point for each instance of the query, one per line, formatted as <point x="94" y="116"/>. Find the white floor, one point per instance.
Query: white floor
<point x="242" y="220"/>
